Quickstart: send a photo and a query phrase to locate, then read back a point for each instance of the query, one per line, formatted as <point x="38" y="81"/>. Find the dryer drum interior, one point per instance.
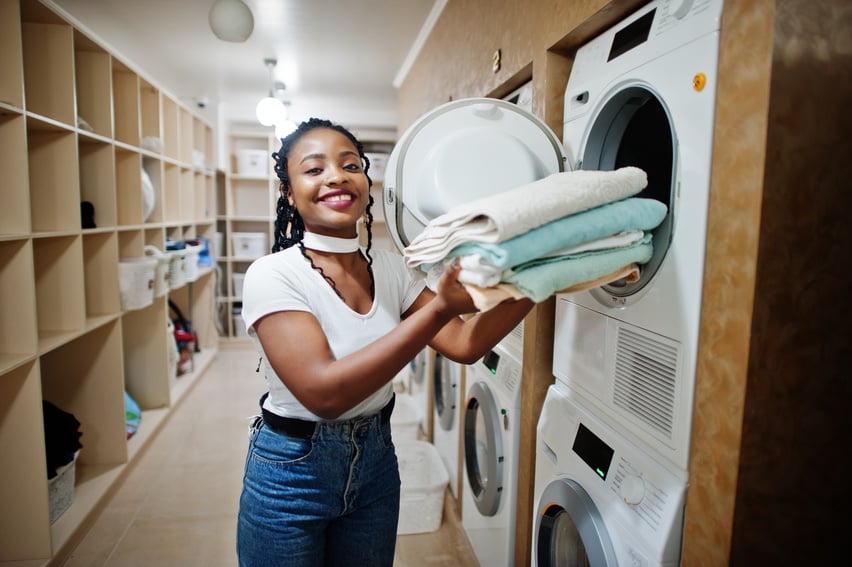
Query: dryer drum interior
<point x="633" y="128"/>
<point x="570" y="530"/>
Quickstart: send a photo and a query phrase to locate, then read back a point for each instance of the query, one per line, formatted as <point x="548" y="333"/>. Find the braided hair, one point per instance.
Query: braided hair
<point x="289" y="226"/>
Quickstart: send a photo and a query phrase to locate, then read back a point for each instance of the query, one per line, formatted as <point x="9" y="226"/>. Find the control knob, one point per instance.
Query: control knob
<point x="632" y="489"/>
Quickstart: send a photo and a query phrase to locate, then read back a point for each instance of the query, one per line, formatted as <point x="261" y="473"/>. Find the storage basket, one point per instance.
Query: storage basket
<point x="424" y="481"/>
<point x="239" y="324"/>
<point x="177" y="273"/>
<point x="136" y="282"/>
<point x="60" y="489"/>
<point x="190" y="262"/>
<point x="161" y="273"/>
<point x="248" y="245"/>
<point x="253" y="162"/>
<point x="405" y="419"/>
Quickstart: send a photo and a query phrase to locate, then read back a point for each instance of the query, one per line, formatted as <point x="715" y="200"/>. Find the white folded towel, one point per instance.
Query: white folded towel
<point x="508" y="214"/>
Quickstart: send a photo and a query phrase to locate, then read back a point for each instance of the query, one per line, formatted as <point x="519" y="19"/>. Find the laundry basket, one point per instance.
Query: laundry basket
<point x="424" y="481"/>
<point x="190" y="264"/>
<point x="161" y="273"/>
<point x="136" y="282"/>
<point x="405" y="419"/>
<point x="177" y="273"/>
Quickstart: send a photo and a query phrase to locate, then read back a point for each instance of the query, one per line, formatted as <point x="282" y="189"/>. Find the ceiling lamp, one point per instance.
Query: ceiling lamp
<point x="270" y="110"/>
<point x="231" y="20"/>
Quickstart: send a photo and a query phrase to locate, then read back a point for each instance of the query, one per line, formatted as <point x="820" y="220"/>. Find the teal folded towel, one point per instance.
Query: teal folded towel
<point x="539" y="279"/>
<point x="628" y="214"/>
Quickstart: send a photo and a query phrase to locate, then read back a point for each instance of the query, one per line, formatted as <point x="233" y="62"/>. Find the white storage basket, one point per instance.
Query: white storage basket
<point x="248" y="245"/>
<point x="253" y="162"/>
<point x="177" y="272"/>
<point x="424" y="481"/>
<point x="60" y="488"/>
<point x="161" y="273"/>
<point x="190" y="264"/>
<point x="136" y="282"/>
<point x="238" y="284"/>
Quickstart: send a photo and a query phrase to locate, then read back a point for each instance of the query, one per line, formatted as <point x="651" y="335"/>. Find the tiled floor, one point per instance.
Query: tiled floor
<point x="178" y="504"/>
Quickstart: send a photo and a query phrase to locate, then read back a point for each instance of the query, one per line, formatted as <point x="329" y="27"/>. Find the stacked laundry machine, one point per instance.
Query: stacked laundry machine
<point x="613" y="436"/>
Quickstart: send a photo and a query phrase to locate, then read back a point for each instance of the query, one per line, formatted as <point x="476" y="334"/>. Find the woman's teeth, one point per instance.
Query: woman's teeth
<point x="335" y="198"/>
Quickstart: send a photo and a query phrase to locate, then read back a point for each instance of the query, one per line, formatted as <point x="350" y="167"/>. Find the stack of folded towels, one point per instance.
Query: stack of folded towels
<point x="565" y="233"/>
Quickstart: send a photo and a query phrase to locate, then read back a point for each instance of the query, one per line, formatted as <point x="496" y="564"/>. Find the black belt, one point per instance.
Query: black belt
<point x="303" y="427"/>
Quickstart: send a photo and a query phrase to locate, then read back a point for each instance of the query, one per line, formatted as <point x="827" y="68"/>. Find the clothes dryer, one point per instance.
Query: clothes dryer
<point x="643" y="94"/>
<point x="491" y="434"/>
<point x="600" y="500"/>
<point x="447" y="386"/>
<point x="418" y="388"/>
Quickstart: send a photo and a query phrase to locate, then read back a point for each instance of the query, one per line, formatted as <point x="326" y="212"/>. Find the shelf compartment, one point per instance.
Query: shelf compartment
<point x="146" y="367"/>
<point x="187" y="196"/>
<point x="24" y="516"/>
<point x="60" y="298"/>
<point x="49" y="69"/>
<point x="131" y="244"/>
<point x="54" y="178"/>
<point x="11" y="55"/>
<point x="185" y="137"/>
<point x="15" y="212"/>
<point x="250" y="198"/>
<point x="128" y="185"/>
<point x="154" y="168"/>
<point x="92" y="390"/>
<point x="171" y="193"/>
<point x="170" y="122"/>
<point x="100" y="257"/>
<point x="97" y="179"/>
<point x="202" y="191"/>
<point x="92" y="77"/>
<point x="18" y="335"/>
<point x="125" y="99"/>
<point x="197" y="301"/>
<point x="149" y="100"/>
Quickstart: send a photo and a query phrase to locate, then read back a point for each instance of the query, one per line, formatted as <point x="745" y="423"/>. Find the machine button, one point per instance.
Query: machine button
<point x="632" y="489"/>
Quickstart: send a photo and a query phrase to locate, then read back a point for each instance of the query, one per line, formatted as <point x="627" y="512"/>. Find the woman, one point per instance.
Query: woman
<point x="334" y="324"/>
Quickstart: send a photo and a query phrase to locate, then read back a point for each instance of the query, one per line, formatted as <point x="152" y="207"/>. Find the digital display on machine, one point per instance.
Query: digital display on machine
<point x="490" y="361"/>
<point x="632" y="35"/>
<point x="593" y="451"/>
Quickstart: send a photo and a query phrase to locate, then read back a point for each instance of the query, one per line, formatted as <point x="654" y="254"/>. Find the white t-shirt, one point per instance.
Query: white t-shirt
<point x="285" y="281"/>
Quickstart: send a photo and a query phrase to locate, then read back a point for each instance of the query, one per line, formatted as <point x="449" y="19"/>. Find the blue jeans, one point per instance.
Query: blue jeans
<point x="332" y="499"/>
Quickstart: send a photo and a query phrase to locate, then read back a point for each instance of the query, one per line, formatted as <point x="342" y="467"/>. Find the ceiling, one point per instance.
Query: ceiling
<point x="337" y="58"/>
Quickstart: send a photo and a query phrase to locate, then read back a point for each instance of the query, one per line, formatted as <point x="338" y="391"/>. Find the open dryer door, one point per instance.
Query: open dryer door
<point x="462" y="151"/>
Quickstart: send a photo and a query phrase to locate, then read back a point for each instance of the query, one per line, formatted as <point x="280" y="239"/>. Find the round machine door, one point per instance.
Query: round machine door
<point x="445" y="387"/>
<point x="633" y="127"/>
<point x="483" y="449"/>
<point x="418" y="367"/>
<point x="569" y="529"/>
<point x="462" y="151"/>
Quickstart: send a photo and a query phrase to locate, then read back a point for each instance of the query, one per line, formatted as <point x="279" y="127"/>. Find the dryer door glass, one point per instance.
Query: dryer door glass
<point x="570" y="531"/>
<point x="445" y="385"/>
<point x="418" y="367"/>
<point x="483" y="449"/>
<point x="633" y="127"/>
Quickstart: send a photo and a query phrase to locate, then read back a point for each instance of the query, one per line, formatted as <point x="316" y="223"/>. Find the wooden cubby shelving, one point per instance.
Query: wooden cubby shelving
<point x="78" y="123"/>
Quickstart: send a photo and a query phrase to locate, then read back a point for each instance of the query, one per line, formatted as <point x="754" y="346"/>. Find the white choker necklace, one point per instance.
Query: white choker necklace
<point x="322" y="243"/>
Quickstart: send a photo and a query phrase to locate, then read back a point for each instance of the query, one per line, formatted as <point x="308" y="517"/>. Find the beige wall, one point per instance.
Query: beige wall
<point x="770" y="378"/>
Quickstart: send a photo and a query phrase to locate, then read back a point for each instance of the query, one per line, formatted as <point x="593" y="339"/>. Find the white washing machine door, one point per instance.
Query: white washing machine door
<point x="418" y="367"/>
<point x="462" y="151"/>
<point x="445" y="384"/>
<point x="483" y="448"/>
<point x="570" y="531"/>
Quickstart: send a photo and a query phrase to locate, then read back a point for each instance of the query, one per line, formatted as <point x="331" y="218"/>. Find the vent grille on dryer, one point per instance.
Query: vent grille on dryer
<point x="645" y="379"/>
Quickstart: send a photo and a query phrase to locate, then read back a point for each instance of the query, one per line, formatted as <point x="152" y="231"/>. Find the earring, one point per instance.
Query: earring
<point x="288" y="230"/>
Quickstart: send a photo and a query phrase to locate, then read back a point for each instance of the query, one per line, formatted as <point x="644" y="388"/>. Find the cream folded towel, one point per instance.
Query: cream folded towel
<point x="508" y="214"/>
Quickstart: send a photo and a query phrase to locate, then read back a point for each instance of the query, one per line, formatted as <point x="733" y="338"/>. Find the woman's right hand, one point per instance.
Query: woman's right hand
<point x="454" y="298"/>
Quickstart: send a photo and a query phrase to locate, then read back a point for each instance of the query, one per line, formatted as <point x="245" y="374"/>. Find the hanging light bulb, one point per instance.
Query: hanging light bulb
<point x="231" y="20"/>
<point x="270" y="110"/>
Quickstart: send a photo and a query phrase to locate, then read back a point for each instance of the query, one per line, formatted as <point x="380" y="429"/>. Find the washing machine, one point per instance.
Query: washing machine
<point x="418" y="388"/>
<point x="643" y="94"/>
<point x="447" y="386"/>
<point x="600" y="500"/>
<point x="491" y="426"/>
